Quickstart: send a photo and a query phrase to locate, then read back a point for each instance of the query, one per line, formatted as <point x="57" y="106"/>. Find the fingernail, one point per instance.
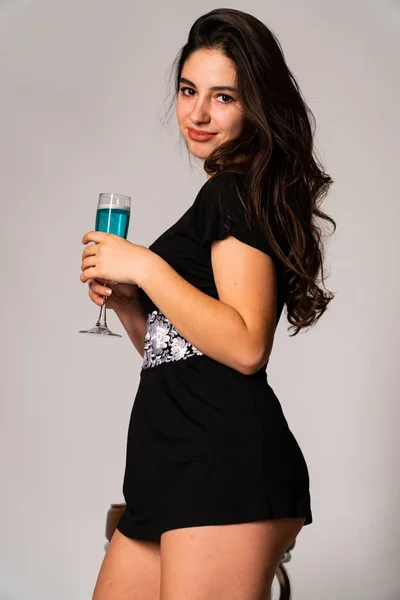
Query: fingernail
<point x="108" y="291"/>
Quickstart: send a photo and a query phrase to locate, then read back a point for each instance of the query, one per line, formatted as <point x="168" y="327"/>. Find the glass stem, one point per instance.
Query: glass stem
<point x="101" y="321"/>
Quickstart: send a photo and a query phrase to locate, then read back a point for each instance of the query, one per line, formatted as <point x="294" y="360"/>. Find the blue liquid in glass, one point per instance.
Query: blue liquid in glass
<point x="113" y="220"/>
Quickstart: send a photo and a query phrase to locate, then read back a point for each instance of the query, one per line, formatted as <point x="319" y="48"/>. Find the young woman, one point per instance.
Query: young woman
<point x="216" y="485"/>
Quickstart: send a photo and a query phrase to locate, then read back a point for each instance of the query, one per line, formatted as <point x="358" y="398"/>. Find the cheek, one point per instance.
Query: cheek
<point x="234" y="124"/>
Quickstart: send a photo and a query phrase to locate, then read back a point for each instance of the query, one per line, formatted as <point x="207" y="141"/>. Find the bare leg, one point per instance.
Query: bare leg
<point x="225" y="561"/>
<point x="130" y="570"/>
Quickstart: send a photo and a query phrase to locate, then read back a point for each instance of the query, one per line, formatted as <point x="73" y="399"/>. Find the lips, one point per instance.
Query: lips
<point x="200" y="136"/>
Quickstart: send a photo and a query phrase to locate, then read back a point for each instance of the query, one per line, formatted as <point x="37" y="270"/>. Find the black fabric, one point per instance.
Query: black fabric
<point x="206" y="443"/>
<point x="228" y="217"/>
<point x="186" y="244"/>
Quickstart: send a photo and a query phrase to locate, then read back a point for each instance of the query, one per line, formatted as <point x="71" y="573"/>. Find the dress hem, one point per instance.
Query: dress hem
<point x="135" y="531"/>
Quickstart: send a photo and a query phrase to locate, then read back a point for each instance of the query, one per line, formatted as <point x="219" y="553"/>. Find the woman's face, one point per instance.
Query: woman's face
<point x="202" y="108"/>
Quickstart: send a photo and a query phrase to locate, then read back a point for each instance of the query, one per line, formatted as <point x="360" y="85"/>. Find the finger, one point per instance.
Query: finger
<point x="101" y="290"/>
<point x="106" y="282"/>
<point x="96" y="298"/>
<point x="94" y="236"/>
<point x="89" y="261"/>
<point x="90" y="250"/>
<point x="88" y="274"/>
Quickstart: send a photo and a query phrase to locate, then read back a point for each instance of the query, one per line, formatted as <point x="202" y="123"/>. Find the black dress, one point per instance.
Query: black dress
<point x="207" y="445"/>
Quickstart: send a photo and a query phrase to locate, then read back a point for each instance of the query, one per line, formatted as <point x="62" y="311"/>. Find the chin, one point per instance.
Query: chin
<point x="199" y="150"/>
<point x="202" y="155"/>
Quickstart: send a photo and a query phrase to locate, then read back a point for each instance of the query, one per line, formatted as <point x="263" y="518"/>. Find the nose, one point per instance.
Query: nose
<point x="200" y="112"/>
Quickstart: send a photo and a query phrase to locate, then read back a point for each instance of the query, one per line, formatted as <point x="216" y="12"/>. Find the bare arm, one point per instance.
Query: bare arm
<point x="133" y="319"/>
<point x="236" y="330"/>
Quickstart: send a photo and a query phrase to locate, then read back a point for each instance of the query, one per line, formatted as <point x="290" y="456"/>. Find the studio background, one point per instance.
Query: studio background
<point x="84" y="87"/>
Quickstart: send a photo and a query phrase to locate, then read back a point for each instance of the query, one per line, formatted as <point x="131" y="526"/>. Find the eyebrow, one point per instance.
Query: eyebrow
<point x="215" y="88"/>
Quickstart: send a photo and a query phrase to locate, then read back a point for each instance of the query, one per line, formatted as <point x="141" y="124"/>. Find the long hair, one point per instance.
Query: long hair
<point x="276" y="151"/>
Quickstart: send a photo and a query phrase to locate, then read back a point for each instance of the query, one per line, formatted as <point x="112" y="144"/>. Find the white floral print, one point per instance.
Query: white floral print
<point x="164" y="343"/>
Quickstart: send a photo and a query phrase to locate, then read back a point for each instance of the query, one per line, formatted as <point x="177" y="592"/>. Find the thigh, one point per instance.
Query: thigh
<point x="130" y="570"/>
<point x="224" y="562"/>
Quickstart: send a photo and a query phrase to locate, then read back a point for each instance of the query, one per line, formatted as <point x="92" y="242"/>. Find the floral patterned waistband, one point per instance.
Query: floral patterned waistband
<point x="164" y="343"/>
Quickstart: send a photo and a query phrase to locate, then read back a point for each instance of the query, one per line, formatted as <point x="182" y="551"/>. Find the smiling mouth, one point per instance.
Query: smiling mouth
<point x="200" y="135"/>
<point x="201" y="132"/>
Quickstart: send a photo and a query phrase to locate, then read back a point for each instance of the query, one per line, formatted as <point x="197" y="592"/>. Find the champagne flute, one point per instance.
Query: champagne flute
<point x="113" y="214"/>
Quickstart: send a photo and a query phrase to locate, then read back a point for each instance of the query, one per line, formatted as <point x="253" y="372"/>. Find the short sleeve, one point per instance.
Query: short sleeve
<point x="220" y="219"/>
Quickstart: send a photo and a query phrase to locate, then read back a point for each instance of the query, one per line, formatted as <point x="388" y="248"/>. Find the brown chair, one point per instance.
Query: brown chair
<point x="285" y="589"/>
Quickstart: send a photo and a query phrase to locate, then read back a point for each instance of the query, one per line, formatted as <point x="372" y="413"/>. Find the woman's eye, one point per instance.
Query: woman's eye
<point x="184" y="89"/>
<point x="230" y="99"/>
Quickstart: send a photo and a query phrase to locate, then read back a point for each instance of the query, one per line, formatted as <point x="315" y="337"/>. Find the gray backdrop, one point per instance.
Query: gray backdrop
<point x="83" y="88"/>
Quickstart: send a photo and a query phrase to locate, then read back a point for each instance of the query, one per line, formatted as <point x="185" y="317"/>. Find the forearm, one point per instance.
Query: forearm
<point x="214" y="328"/>
<point x="133" y="319"/>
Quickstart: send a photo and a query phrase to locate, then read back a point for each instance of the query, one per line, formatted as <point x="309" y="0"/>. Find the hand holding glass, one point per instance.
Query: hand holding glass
<point x="113" y="214"/>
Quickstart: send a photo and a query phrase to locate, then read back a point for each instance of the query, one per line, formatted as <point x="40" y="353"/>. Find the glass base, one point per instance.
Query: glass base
<point x="100" y="330"/>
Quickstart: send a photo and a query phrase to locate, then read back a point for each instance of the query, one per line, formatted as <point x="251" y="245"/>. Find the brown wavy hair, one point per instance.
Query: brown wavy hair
<point x="276" y="151"/>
